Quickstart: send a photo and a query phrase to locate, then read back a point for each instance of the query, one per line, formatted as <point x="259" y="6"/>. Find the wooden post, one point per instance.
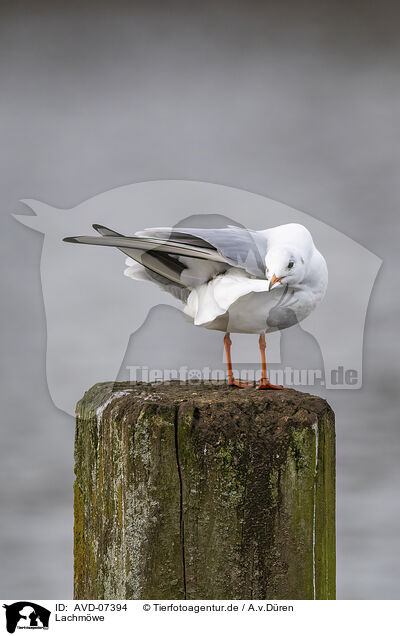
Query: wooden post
<point x="203" y="492"/>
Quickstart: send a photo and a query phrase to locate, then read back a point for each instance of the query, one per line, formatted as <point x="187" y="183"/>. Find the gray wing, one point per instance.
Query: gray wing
<point x="161" y="268"/>
<point x="237" y="246"/>
<point x="166" y="253"/>
<point x="163" y="260"/>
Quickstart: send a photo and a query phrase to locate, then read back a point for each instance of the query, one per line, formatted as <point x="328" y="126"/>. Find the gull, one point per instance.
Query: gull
<point x="231" y="279"/>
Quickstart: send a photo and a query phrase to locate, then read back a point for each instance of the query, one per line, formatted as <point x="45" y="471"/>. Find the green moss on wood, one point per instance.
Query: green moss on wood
<point x="80" y="576"/>
<point x="203" y="491"/>
<point x="325" y="537"/>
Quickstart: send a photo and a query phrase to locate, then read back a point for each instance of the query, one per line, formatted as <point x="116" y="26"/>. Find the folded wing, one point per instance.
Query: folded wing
<point x="180" y="260"/>
<point x="237" y="246"/>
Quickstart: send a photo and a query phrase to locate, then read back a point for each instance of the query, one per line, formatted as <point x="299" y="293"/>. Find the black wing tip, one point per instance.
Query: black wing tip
<point x="70" y="239"/>
<point x="105" y="231"/>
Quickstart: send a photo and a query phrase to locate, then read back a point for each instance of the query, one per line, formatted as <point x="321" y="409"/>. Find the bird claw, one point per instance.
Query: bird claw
<point x="266" y="385"/>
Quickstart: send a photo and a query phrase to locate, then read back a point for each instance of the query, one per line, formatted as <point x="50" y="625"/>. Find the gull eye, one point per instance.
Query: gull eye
<point x="290" y="265"/>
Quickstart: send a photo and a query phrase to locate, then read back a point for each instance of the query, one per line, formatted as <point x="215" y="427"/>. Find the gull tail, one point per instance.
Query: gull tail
<point x="110" y="238"/>
<point x="160" y="256"/>
<point x="148" y="244"/>
<point x="96" y="240"/>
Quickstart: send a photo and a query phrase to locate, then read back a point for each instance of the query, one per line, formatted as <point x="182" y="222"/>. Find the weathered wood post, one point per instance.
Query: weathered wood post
<point x="203" y="492"/>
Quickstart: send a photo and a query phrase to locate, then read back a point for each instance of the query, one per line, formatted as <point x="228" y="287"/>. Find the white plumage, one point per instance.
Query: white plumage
<point x="231" y="279"/>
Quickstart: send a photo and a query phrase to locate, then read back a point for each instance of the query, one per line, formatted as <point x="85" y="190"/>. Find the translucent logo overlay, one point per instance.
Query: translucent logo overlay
<point x="103" y="326"/>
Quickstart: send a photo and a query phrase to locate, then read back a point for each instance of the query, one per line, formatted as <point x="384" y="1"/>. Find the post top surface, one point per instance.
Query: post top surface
<point x="202" y="394"/>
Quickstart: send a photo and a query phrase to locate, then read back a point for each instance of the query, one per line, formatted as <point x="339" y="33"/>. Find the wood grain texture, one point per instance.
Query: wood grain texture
<point x="203" y="492"/>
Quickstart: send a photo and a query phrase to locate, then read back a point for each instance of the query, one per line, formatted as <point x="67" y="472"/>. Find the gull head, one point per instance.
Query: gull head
<point x="284" y="266"/>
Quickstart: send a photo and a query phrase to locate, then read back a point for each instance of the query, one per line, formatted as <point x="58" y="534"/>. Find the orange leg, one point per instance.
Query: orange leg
<point x="231" y="379"/>
<point x="264" y="382"/>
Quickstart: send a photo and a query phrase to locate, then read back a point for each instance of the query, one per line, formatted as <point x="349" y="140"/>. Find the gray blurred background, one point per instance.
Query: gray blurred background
<point x="298" y="101"/>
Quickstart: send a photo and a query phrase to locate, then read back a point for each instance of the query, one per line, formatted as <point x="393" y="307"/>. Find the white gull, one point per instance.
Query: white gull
<point x="231" y="279"/>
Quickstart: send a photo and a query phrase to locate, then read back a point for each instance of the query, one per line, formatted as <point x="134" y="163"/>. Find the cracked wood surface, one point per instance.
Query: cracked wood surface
<point x="203" y="492"/>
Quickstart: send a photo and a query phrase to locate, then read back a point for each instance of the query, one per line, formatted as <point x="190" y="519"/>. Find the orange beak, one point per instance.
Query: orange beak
<point x="274" y="280"/>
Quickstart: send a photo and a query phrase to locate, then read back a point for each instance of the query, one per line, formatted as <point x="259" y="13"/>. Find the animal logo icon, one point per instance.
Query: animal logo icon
<point x="27" y="615"/>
